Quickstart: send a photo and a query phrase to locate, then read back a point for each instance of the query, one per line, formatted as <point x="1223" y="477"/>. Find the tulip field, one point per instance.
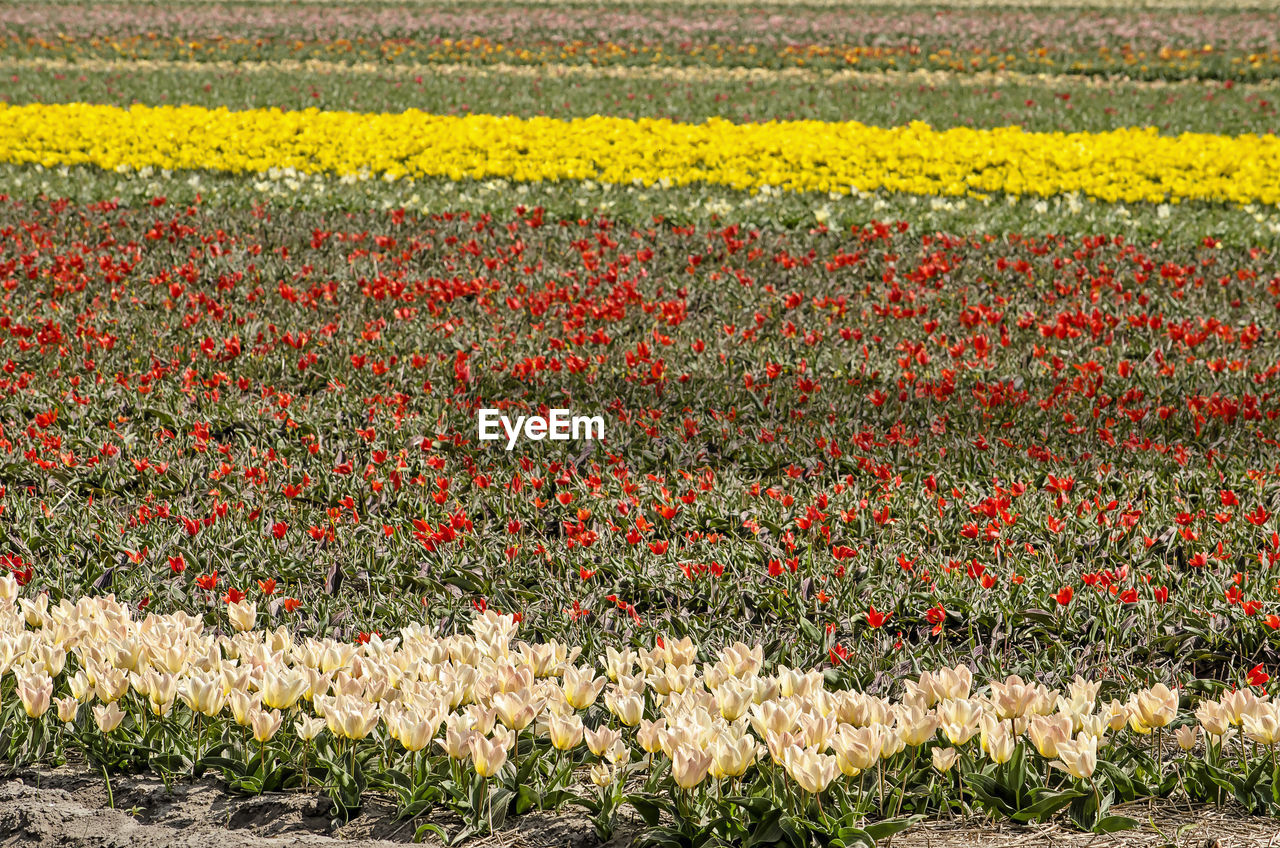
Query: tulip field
<point x="937" y="354"/>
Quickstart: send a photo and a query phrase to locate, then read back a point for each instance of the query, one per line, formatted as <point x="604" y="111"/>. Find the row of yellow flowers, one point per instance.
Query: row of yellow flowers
<point x="1124" y="165"/>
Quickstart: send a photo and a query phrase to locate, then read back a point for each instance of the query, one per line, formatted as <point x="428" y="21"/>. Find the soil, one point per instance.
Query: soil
<point x="67" y="808"/>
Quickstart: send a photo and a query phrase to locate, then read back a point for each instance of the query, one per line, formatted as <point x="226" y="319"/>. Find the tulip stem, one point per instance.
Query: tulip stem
<point x="880" y="777"/>
<point x="111" y="800"/>
<point x="902" y="789"/>
<point x="826" y="825"/>
<point x="488" y="803"/>
<point x="862" y="794"/>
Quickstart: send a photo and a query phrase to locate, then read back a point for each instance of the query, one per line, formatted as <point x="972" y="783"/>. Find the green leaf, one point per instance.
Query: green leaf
<point x="756" y="805"/>
<point x="428" y="827"/>
<point x="810" y="630"/>
<point x="1045" y="806"/>
<point x="846" y="837"/>
<point x="526" y="769"/>
<point x="1111" y="824"/>
<point x="989" y="793"/>
<point x="476" y="798"/>
<point x="500" y="801"/>
<point x="649" y="807"/>
<point x="890" y="827"/>
<point x="1119" y="780"/>
<point x="767" y="830"/>
<point x="527" y="799"/>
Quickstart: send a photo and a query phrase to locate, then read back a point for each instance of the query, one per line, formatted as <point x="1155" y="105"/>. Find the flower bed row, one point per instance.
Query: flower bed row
<point x="699" y="741"/>
<point x="1121" y="165"/>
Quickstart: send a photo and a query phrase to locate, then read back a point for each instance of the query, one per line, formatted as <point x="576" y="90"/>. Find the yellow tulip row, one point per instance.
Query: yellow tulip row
<point x="1124" y="165"/>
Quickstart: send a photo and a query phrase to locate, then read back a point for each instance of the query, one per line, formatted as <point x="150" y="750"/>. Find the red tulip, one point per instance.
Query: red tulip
<point x="877" y="619"/>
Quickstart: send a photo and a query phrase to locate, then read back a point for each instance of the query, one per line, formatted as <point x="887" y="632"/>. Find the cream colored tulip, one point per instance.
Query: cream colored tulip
<point x="1048" y="732"/>
<point x="110" y="685"/>
<point x="1262" y="726"/>
<point x="308" y="727"/>
<point x="67" y="707"/>
<point x="488" y="755"/>
<point x="242" y="705"/>
<point x="1156" y="706"/>
<point x="812" y="770"/>
<point x="482" y="720"/>
<point x="650" y="734"/>
<point x="35" y="691"/>
<point x="916" y="725"/>
<point x="581" y="688"/>
<point x="457" y="737"/>
<point x="618" y="752"/>
<point x="243" y="615"/>
<point x="947" y="684"/>
<point x="731" y="757"/>
<point x="517" y="710"/>
<point x="627" y="708"/>
<point x="959" y="720"/>
<point x="80" y="685"/>
<point x="265" y="723"/>
<point x="601" y="739"/>
<point x="892" y="745"/>
<point x="1083" y="694"/>
<point x="857" y="749"/>
<point x="349" y="717"/>
<point x="282" y="687"/>
<point x="774" y="716"/>
<point x="689" y="766"/>
<point x="1078" y="757"/>
<point x="1213" y="718"/>
<point x="944" y="759"/>
<point x="618" y="663"/>
<point x="565" y="731"/>
<point x="1237" y="703"/>
<point x="733" y="698"/>
<point x="1012" y="698"/>
<point x="816" y="730"/>
<point x="203" y="694"/>
<point x="416" y="733"/>
<point x="602" y="774"/>
<point x="999" y="743"/>
<point x="108" y="716"/>
<point x="1117" y="715"/>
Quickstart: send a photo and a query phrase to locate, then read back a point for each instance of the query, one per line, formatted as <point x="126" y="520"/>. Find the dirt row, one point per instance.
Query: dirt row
<point x="68" y="808"/>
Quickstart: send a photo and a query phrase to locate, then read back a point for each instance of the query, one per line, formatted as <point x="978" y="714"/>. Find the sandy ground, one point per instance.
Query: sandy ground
<point x="67" y="808"/>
